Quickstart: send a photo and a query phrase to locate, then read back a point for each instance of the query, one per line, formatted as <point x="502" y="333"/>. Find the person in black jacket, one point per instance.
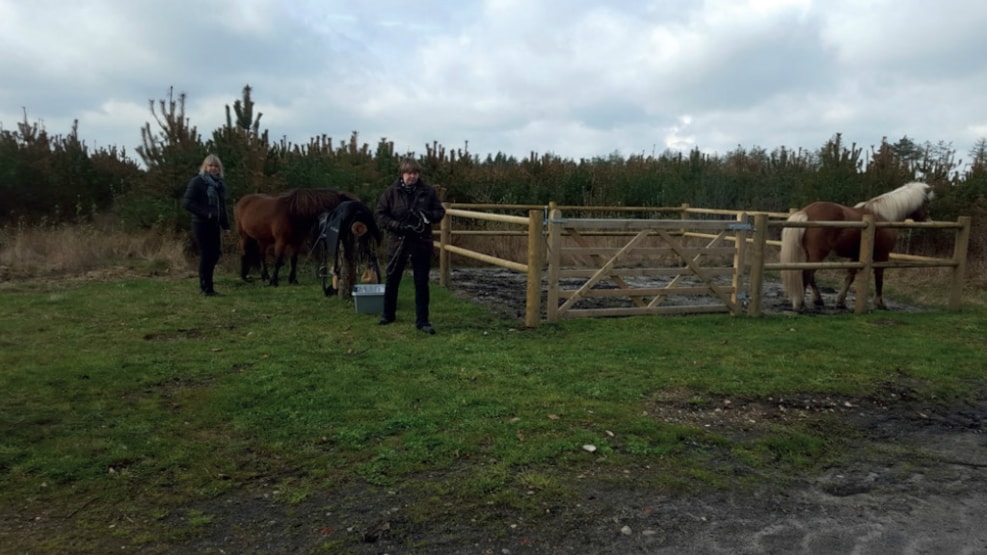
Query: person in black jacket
<point x="205" y="198"/>
<point x="407" y="210"/>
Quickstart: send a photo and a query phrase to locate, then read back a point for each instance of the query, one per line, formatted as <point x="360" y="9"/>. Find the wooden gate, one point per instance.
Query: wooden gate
<point x="661" y="266"/>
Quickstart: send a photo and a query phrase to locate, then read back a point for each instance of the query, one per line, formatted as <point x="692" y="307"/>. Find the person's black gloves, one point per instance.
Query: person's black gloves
<point x="412" y="224"/>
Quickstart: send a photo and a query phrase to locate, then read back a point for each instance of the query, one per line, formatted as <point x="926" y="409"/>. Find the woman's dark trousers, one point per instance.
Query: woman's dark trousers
<point x="420" y="253"/>
<point x="207" y="237"/>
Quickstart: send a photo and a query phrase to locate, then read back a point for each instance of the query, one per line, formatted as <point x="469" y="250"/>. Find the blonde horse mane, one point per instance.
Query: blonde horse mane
<point x="895" y="205"/>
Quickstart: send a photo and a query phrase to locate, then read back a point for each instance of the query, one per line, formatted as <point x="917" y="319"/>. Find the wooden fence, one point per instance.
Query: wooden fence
<point x="559" y="252"/>
<point x="692" y="271"/>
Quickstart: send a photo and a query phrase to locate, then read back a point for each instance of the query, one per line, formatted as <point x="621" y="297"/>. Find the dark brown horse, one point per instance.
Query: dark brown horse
<point x="814" y="244"/>
<point x="348" y="237"/>
<point x="283" y="222"/>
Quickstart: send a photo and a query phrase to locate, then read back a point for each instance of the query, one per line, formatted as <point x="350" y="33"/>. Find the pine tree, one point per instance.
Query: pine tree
<point x="172" y="155"/>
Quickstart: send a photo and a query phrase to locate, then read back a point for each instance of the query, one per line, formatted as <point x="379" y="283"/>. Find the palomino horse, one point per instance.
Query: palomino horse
<point x="283" y="221"/>
<point x="348" y="237"/>
<point x="814" y="244"/>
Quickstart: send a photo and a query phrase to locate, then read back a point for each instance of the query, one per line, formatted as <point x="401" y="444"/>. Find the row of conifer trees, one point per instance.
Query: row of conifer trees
<point x="55" y="179"/>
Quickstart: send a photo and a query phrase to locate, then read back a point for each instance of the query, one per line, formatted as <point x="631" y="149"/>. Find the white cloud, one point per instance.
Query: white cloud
<point x="578" y="78"/>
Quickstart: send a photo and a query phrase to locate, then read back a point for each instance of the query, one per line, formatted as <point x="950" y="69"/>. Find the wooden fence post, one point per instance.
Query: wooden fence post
<point x="757" y="263"/>
<point x="532" y="313"/>
<point x="739" y="258"/>
<point x="554" y="262"/>
<point x="445" y="236"/>
<point x="959" y="257"/>
<point x="867" y="236"/>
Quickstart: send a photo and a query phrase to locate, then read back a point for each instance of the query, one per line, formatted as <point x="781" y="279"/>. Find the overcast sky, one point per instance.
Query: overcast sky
<point x="577" y="78"/>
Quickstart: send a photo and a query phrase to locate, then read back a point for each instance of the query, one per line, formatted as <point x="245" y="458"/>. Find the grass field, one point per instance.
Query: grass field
<point x="127" y="401"/>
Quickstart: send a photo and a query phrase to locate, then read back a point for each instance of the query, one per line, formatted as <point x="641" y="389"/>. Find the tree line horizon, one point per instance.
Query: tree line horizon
<point x="54" y="179"/>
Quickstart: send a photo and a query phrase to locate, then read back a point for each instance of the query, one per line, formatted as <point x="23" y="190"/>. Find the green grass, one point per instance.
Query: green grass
<point x="138" y="396"/>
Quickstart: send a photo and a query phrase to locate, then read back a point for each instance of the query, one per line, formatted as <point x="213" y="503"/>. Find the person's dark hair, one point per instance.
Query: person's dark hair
<point x="410" y="165"/>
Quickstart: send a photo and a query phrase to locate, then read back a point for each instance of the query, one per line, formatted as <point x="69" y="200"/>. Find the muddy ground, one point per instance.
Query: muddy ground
<point x="503" y="292"/>
<point x="930" y="501"/>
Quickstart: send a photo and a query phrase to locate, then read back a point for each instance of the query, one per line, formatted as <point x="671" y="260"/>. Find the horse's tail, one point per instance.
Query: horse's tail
<point x="792" y="252"/>
<point x="251" y="249"/>
<point x="250" y="257"/>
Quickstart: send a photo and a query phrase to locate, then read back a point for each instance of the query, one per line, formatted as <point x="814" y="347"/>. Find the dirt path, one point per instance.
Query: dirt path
<point x="930" y="501"/>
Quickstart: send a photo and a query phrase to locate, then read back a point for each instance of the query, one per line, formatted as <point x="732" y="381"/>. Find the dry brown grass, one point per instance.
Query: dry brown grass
<point x="31" y="252"/>
<point x="931" y="286"/>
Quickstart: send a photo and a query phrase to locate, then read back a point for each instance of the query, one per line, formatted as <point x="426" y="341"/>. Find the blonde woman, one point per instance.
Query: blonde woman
<point x="205" y="199"/>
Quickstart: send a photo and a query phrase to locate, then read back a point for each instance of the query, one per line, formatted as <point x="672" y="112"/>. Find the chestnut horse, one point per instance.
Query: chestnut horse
<point x="814" y="244"/>
<point x="284" y="222"/>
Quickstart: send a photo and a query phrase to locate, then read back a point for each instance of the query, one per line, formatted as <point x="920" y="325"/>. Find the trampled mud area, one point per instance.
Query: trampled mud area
<point x="502" y="291"/>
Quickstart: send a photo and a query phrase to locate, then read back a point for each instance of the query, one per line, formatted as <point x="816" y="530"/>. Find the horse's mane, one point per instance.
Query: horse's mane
<point x="309" y="203"/>
<point x="896" y="205"/>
